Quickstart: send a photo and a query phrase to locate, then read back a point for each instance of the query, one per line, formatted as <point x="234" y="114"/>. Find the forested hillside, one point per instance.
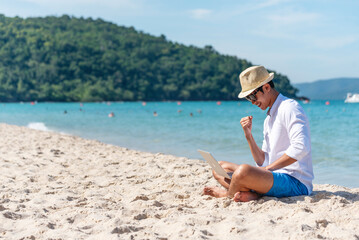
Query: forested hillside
<point x="76" y="59"/>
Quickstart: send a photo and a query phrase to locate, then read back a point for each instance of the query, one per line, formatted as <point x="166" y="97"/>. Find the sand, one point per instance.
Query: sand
<point x="56" y="186"/>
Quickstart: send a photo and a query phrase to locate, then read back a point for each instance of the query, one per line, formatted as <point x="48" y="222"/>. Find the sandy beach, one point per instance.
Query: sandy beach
<point x="56" y="186"/>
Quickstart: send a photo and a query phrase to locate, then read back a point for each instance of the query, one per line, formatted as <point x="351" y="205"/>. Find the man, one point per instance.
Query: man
<point x="284" y="163"/>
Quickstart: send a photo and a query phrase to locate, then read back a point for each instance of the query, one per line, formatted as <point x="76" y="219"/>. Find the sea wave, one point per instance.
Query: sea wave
<point x="38" y="126"/>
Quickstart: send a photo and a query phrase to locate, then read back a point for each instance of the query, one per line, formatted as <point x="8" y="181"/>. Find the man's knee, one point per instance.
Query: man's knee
<point x="225" y="164"/>
<point x="242" y="171"/>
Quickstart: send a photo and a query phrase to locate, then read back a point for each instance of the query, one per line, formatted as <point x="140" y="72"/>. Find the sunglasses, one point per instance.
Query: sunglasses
<point x="252" y="97"/>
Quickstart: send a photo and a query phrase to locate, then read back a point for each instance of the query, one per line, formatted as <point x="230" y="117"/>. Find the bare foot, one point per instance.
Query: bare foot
<point x="245" y="196"/>
<point x="215" y="192"/>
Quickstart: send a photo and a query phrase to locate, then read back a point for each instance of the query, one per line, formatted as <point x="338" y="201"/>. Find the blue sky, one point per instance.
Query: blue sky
<point x="304" y="40"/>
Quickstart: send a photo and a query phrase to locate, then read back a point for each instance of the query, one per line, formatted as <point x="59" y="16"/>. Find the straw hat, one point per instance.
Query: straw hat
<point x="252" y="78"/>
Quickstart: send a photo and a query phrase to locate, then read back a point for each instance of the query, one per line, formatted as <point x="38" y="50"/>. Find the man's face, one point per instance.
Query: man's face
<point x="258" y="98"/>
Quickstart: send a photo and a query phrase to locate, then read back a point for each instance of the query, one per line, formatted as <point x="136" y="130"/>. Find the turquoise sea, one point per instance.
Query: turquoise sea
<point x="182" y="128"/>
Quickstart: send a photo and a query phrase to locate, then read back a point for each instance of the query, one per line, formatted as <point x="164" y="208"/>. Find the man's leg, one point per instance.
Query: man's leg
<point x="228" y="167"/>
<point x="244" y="179"/>
<point x="216" y="191"/>
<point x="247" y="177"/>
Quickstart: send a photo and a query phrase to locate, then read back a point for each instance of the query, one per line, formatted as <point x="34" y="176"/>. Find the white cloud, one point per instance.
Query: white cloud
<point x="334" y="42"/>
<point x="293" y="18"/>
<point x="273" y="34"/>
<point x="250" y="7"/>
<point x="307" y="29"/>
<point x="289" y="26"/>
<point x="318" y="41"/>
<point x="268" y="3"/>
<point x="200" y="13"/>
<point x="102" y="3"/>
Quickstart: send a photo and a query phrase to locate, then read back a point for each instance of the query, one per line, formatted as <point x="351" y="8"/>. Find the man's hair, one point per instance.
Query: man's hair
<point x="271" y="84"/>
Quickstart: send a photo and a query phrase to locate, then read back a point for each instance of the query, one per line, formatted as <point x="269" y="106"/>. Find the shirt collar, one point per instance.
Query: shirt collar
<point x="275" y="105"/>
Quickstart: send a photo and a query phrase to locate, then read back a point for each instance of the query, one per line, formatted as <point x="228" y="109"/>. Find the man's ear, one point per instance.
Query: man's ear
<point x="266" y="87"/>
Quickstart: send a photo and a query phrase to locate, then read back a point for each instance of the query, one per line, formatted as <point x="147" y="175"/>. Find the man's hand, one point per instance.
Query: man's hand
<point x="264" y="168"/>
<point x="257" y="153"/>
<point x="246" y="123"/>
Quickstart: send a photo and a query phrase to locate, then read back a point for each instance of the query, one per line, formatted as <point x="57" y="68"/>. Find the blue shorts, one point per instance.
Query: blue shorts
<point x="285" y="185"/>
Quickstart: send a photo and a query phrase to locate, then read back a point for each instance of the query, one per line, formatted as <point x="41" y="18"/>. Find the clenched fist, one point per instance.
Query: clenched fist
<point x="246" y="123"/>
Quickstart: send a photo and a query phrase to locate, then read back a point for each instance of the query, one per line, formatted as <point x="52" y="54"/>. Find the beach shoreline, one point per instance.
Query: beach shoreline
<point x="56" y="186"/>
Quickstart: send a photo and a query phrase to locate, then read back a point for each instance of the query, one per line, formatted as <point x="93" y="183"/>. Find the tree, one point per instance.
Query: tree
<point x="77" y="59"/>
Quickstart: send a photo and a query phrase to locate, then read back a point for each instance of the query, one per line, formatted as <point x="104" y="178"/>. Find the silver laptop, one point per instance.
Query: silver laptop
<point x="214" y="164"/>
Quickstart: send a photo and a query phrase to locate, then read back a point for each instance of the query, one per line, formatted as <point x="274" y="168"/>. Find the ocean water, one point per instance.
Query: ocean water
<point x="182" y="128"/>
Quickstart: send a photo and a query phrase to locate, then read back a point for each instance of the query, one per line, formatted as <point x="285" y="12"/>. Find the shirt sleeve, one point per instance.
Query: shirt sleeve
<point x="298" y="133"/>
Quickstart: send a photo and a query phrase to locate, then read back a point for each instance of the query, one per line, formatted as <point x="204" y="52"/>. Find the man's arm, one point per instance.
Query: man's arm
<point x="281" y="162"/>
<point x="257" y="153"/>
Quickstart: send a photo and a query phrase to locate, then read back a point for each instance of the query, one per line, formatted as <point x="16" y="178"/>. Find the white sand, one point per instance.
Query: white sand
<point x="55" y="186"/>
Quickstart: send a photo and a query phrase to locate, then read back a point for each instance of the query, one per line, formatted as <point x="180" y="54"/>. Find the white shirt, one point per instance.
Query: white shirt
<point x="286" y="131"/>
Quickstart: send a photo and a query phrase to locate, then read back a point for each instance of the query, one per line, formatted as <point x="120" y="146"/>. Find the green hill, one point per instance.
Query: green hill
<point x="331" y="89"/>
<point x="76" y="59"/>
